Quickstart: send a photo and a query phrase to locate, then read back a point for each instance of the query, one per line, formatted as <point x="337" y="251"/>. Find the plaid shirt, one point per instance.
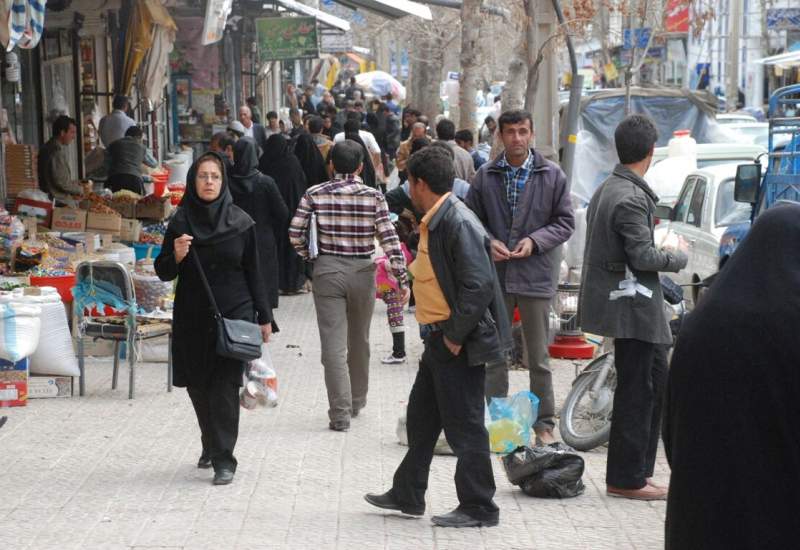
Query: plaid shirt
<point x="350" y="216"/>
<point x="515" y="179"/>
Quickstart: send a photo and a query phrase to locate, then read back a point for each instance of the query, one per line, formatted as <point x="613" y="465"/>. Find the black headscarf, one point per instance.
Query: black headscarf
<point x="732" y="408"/>
<point x="209" y="222"/>
<point x="307" y="152"/>
<point x="368" y="170"/>
<point x="282" y="166"/>
<point x="245" y="165"/>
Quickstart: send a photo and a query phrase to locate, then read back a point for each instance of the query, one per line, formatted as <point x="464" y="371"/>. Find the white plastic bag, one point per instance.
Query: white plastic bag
<point x="19" y="330"/>
<point x="55" y="356"/>
<point x="262" y="380"/>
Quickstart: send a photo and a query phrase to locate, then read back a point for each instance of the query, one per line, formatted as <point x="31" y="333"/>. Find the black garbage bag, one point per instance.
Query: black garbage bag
<point x="552" y="471"/>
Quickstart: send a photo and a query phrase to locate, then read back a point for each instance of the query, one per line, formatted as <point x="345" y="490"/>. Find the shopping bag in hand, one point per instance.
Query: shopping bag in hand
<point x="261" y="385"/>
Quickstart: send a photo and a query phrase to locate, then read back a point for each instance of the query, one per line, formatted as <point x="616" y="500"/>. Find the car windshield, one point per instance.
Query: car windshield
<point x="730" y="212"/>
<point x="704" y="163"/>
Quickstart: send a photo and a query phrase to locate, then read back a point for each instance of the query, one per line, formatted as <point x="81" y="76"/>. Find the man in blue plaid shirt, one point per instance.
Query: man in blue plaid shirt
<point x="524" y="202"/>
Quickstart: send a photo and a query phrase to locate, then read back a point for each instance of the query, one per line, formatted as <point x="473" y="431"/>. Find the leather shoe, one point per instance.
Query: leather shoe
<point x="388" y="502"/>
<point x="648" y="492"/>
<point x="223" y="477"/>
<point x="339" y="426"/>
<point x="204" y="463"/>
<point x="457" y="518"/>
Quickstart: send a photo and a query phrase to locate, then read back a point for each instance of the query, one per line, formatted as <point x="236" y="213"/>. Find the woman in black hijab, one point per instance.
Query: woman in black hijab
<point x="281" y="165"/>
<point x="258" y="195"/>
<point x="223" y="238"/>
<point x="732" y="413"/>
<point x="307" y="152"/>
<point x="368" y="171"/>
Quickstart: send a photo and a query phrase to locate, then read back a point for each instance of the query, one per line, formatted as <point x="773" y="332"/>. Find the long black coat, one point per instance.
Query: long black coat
<point x="732" y="408"/>
<point x="268" y="209"/>
<point x="232" y="268"/>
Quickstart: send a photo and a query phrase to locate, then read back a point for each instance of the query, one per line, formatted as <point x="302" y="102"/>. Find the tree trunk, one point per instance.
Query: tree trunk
<point x="514" y="90"/>
<point x="426" y="73"/>
<point x="534" y="54"/>
<point x="471" y="62"/>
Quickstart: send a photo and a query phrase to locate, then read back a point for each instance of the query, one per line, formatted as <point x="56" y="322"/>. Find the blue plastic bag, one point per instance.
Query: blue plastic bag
<point x="512" y="419"/>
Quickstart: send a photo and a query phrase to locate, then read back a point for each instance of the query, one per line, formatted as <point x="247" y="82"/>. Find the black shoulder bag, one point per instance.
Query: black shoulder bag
<point x="236" y="339"/>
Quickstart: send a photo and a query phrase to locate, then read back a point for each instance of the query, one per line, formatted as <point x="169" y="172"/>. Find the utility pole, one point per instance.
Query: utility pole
<point x="732" y="54"/>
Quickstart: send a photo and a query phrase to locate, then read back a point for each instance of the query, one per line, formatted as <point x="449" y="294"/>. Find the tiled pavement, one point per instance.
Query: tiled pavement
<point x="105" y="472"/>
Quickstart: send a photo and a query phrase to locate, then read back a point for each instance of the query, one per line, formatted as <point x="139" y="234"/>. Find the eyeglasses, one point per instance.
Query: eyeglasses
<point x="209" y="177"/>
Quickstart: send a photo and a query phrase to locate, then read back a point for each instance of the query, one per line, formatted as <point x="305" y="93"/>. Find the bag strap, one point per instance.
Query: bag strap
<point x="215" y="309"/>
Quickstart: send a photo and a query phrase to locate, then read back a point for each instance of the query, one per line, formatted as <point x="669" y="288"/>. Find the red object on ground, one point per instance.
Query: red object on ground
<point x="63" y="284"/>
<point x="571" y="347"/>
<point x="517" y="318"/>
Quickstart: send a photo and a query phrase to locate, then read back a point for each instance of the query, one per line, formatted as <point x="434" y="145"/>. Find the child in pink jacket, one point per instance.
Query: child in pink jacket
<point x="388" y="291"/>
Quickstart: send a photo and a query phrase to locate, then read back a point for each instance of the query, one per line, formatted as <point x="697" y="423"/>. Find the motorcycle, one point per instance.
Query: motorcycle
<point x="585" y="421"/>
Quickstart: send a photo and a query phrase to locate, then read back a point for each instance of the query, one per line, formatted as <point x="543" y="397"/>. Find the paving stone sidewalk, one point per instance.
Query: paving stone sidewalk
<point x="103" y="472"/>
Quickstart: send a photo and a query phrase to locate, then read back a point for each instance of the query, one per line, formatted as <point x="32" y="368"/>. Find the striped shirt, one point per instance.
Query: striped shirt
<point x="350" y="216"/>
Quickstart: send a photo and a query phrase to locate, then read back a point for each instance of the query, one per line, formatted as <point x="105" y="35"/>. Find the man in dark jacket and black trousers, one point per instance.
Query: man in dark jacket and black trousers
<point x="620" y="253"/>
<point x="464" y="325"/>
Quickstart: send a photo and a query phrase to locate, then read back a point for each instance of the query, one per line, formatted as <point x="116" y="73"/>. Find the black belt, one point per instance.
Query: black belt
<point x="349" y="256"/>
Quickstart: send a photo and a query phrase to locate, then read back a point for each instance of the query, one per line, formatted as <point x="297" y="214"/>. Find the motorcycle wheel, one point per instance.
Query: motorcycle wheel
<point x="585" y="421"/>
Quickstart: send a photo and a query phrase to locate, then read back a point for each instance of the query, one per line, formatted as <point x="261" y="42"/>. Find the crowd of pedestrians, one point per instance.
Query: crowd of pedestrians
<point x="299" y="205"/>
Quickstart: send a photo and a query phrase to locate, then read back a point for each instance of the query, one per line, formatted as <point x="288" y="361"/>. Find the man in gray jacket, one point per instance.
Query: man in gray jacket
<point x="524" y="202"/>
<point x="620" y="253"/>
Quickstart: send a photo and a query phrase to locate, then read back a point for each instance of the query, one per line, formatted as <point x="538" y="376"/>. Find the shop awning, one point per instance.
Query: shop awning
<point x="326" y="19"/>
<point x="391" y="9"/>
<point x="785" y="60"/>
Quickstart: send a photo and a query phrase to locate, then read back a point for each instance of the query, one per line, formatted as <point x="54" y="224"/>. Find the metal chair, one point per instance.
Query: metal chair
<point x="104" y="277"/>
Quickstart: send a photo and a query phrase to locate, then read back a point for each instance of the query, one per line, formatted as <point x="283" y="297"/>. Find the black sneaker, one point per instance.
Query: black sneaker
<point x="339" y="426"/>
<point x="204" y="462"/>
<point x="388" y="502"/>
<point x="223" y="477"/>
<point x="457" y="519"/>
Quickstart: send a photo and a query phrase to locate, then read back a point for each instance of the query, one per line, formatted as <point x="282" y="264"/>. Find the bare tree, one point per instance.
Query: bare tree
<point x="472" y="61"/>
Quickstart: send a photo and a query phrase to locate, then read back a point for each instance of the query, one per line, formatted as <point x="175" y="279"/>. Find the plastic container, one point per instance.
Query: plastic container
<point x="682" y="144"/>
<point x="141" y="250"/>
<point x="62" y="283"/>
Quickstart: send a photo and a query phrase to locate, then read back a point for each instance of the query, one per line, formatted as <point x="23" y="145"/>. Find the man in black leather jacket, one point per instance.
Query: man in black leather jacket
<point x="464" y="325"/>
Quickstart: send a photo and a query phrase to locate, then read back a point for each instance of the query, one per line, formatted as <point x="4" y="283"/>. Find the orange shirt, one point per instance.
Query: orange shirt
<point x="431" y="304"/>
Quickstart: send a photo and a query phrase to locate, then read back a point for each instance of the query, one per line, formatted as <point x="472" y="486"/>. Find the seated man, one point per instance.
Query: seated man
<point x="126" y="158"/>
<point x="55" y="173"/>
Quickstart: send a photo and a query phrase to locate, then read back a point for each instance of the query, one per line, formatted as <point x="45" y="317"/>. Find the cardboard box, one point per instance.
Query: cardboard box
<point x="41" y="387"/>
<point x="125" y="209"/>
<point x="130" y="230"/>
<point x="13" y="383"/>
<point x="41" y="210"/>
<point x="69" y="219"/>
<point x="107" y="223"/>
<point x="158" y="210"/>
<point x="13" y="394"/>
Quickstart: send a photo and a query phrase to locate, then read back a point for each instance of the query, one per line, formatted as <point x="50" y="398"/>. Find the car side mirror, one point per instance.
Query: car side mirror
<point x="748" y="181"/>
<point x="664" y="212"/>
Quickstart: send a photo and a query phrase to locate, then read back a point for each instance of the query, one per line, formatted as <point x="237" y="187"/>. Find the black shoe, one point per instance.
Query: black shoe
<point x="204" y="462"/>
<point x="339" y="426"/>
<point x="457" y="518"/>
<point x="388" y="502"/>
<point x="3" y="420"/>
<point x="223" y="477"/>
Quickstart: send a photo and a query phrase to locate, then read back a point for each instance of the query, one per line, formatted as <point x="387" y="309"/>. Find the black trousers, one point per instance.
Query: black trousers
<point x="217" y="409"/>
<point x="447" y="394"/>
<point x="118" y="182"/>
<point x="636" y="417"/>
